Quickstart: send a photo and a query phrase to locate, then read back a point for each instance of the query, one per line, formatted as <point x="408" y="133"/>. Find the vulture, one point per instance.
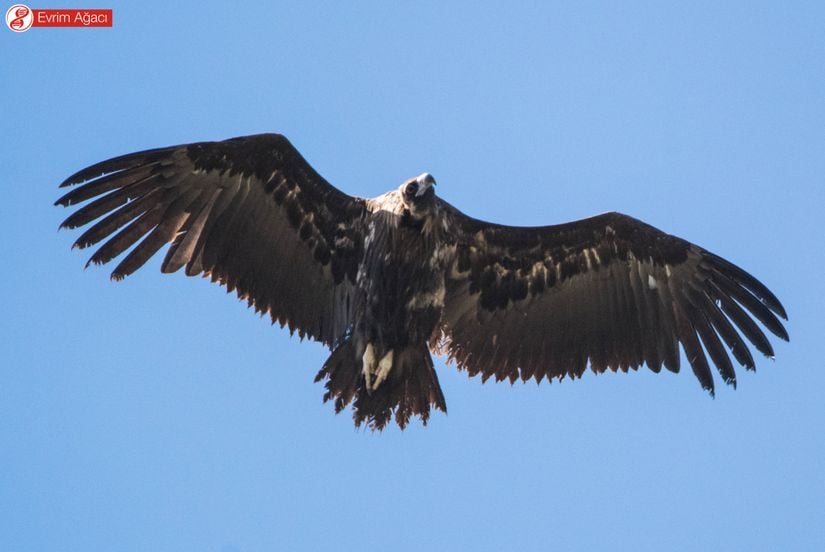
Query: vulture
<point x="383" y="282"/>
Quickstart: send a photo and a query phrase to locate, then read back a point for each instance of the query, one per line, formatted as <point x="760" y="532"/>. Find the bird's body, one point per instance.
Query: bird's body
<point x="399" y="298"/>
<point x="384" y="281"/>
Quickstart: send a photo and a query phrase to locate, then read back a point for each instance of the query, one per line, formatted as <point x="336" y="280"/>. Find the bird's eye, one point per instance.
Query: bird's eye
<point x="411" y="189"/>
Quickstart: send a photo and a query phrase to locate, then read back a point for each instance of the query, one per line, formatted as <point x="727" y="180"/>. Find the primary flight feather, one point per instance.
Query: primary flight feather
<point x="384" y="281"/>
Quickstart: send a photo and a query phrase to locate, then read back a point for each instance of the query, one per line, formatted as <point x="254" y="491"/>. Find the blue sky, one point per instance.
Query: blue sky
<point x="160" y="414"/>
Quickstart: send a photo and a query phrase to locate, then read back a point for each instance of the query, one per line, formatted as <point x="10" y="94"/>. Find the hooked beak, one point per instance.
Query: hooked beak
<point x="425" y="181"/>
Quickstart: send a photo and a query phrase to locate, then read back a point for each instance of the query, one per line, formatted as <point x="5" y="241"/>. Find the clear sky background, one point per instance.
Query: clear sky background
<point x="161" y="414"/>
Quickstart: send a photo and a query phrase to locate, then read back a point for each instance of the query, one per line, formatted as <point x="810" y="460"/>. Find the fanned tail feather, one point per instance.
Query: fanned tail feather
<point x="411" y="388"/>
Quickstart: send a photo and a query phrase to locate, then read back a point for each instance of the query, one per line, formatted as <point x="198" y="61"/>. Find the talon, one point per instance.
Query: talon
<point x="367" y="364"/>
<point x="384" y="367"/>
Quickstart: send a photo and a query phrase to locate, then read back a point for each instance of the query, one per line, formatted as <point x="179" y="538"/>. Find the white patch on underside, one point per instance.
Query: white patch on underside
<point x="441" y="255"/>
<point x="587" y="259"/>
<point x="651" y="282"/>
<point x="427" y="299"/>
<point x="361" y="276"/>
<point x="454" y="272"/>
<point x="370" y="235"/>
<point x="539" y="271"/>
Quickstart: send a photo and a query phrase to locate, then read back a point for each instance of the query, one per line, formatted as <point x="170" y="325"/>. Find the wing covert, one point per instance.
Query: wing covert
<point x="248" y="212"/>
<point x="610" y="292"/>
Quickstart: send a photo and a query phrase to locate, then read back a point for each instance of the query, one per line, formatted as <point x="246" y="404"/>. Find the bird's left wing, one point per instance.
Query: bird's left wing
<point x="248" y="212"/>
<point x="608" y="291"/>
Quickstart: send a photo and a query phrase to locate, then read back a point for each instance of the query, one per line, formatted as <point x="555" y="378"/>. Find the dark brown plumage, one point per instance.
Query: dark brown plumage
<point x="381" y="281"/>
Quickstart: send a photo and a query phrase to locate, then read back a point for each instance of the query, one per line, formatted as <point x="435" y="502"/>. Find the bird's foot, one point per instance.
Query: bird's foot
<point x="384" y="367"/>
<point x="375" y="372"/>
<point x="368" y="365"/>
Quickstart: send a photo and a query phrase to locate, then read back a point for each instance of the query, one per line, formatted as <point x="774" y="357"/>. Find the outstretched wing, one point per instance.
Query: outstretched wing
<point x="610" y="291"/>
<point x="248" y="212"/>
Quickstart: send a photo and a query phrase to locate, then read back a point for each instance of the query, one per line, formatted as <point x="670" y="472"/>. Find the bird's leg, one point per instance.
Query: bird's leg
<point x="367" y="365"/>
<point x="384" y="367"/>
<point x="375" y="372"/>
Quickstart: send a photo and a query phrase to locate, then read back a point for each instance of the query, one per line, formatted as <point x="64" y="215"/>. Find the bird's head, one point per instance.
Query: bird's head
<point x="418" y="195"/>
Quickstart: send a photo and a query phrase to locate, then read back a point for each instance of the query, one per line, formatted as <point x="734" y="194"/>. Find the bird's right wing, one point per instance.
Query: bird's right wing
<point x="248" y="212"/>
<point x="609" y="291"/>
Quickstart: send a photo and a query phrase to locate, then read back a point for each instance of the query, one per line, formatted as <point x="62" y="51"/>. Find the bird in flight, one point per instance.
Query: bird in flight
<point x="383" y="282"/>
